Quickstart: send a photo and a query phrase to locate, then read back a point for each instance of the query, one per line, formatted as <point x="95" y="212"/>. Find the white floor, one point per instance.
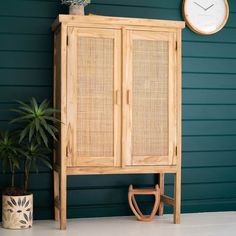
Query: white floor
<point x="204" y="224"/>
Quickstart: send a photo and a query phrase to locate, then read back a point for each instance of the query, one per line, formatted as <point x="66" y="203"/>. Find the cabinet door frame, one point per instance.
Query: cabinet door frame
<point x="128" y="36"/>
<point x="73" y="159"/>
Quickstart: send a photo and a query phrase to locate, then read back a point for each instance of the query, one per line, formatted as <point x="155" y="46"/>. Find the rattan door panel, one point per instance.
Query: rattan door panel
<point x="149" y="110"/>
<point x="93" y="97"/>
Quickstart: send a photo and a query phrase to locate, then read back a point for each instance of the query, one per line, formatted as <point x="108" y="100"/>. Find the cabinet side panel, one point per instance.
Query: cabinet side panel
<point x="57" y="89"/>
<point x="179" y="99"/>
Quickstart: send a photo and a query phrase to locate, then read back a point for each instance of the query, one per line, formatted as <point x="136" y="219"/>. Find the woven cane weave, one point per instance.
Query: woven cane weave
<point x="150" y="98"/>
<point x="95" y="97"/>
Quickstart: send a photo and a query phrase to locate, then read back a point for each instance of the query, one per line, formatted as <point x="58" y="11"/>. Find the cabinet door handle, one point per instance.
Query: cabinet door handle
<point x="128" y="97"/>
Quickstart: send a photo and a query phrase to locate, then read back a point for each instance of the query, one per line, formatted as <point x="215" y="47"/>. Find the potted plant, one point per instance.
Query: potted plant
<point x="76" y="7"/>
<point x="37" y="125"/>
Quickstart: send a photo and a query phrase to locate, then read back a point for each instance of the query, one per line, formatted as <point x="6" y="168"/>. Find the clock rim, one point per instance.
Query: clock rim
<point x="196" y="30"/>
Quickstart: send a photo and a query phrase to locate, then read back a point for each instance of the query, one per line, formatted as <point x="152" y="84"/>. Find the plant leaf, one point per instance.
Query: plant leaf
<point x="31" y="131"/>
<point x="44" y="137"/>
<point x="44" y="105"/>
<point x="46" y="163"/>
<point x="21" y="119"/>
<point x="34" y="104"/>
<point x="23" y="133"/>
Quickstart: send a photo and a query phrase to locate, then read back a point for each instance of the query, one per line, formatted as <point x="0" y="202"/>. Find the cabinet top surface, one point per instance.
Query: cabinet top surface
<point x="122" y="21"/>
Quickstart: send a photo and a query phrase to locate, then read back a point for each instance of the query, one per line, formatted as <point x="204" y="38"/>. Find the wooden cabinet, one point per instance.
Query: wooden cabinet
<point x="117" y="82"/>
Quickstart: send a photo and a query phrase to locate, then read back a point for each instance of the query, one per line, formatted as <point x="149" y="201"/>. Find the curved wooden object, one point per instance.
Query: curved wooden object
<point x="134" y="206"/>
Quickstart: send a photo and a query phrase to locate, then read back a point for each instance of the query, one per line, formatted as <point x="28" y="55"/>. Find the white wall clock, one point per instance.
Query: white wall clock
<point x="206" y="16"/>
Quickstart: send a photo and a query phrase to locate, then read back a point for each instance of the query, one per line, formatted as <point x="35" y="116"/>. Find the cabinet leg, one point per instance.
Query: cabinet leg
<point x="161" y="186"/>
<point x="63" y="203"/>
<point x="56" y="194"/>
<point x="177" y="197"/>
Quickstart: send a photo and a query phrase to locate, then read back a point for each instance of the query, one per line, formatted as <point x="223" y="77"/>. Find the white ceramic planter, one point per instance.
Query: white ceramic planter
<point x="76" y="10"/>
<point x="17" y="211"/>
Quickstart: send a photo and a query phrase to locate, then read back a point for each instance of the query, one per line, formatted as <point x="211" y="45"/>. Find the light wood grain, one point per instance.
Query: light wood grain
<point x="117" y="101"/>
<point x="71" y="95"/>
<point x="56" y="194"/>
<point x="63" y="139"/>
<point x="171" y="99"/>
<point x="161" y="183"/>
<point x="127" y="98"/>
<point x="57" y="203"/>
<point x="167" y="200"/>
<point x="57" y="168"/>
<point x="123" y="170"/>
<point x="150" y="160"/>
<point x="56" y="99"/>
<point x="69" y="19"/>
<point x="177" y="185"/>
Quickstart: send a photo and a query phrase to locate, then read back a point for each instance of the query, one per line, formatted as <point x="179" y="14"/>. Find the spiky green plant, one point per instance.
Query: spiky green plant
<point x="37" y="126"/>
<point x="33" y="154"/>
<point x="9" y="154"/>
<point x="31" y="142"/>
<point x="37" y="121"/>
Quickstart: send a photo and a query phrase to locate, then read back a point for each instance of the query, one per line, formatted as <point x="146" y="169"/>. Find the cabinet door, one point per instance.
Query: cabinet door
<point x="93" y="97"/>
<point x="148" y="98"/>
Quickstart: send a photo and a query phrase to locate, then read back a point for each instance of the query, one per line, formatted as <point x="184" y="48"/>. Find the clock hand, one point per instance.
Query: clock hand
<point x="200" y="6"/>
<point x="209" y="7"/>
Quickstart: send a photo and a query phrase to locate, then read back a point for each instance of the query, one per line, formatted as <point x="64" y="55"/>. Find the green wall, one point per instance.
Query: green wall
<point x="209" y="106"/>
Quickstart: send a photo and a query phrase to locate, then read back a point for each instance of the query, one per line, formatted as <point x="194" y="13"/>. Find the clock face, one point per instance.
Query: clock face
<point x="206" y="16"/>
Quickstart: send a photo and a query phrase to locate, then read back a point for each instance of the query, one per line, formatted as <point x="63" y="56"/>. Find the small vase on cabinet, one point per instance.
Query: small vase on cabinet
<point x="76" y="10"/>
<point x="76" y="7"/>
